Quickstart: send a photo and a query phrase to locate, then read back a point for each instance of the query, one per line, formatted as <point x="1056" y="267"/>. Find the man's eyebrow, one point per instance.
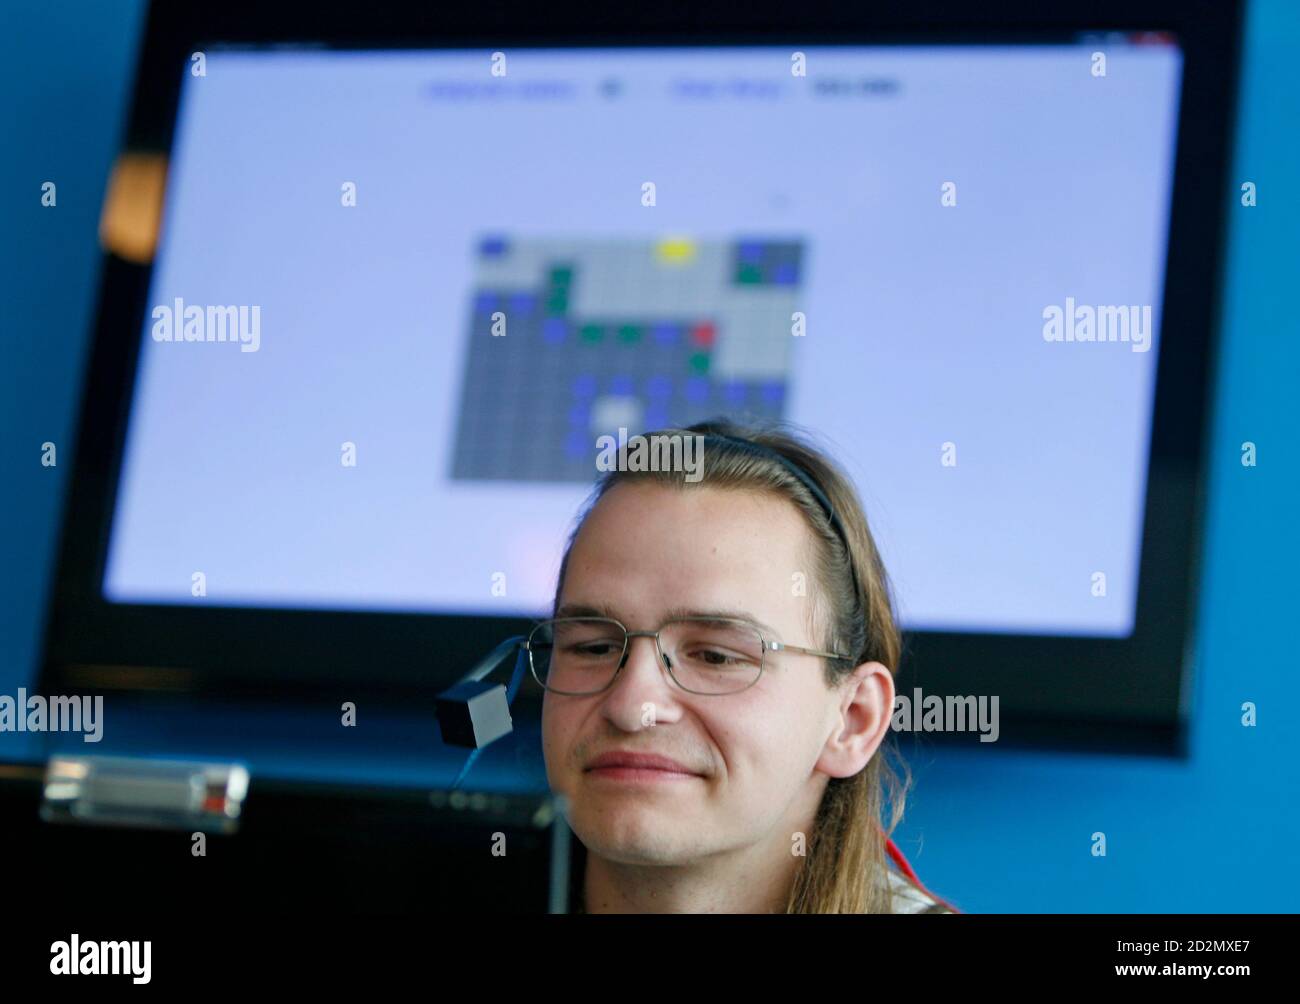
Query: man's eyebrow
<point x="583" y="610"/>
<point x="604" y="610"/>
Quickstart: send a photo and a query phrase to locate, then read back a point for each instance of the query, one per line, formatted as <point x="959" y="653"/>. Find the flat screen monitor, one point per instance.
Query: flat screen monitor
<point x="399" y="300"/>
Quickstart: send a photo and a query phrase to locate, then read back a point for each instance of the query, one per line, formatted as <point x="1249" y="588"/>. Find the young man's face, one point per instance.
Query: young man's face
<point x="759" y="759"/>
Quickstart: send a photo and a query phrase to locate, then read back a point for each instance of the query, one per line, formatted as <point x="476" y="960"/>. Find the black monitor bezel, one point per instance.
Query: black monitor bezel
<point x="1102" y="694"/>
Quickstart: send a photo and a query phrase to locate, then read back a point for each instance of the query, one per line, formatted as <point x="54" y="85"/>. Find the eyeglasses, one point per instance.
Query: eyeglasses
<point x="579" y="656"/>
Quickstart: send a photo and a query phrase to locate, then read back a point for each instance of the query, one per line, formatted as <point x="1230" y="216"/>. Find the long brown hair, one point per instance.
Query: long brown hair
<point x="845" y="869"/>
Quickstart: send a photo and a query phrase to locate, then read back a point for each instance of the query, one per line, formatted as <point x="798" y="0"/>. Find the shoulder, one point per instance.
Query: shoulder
<point x="907" y="898"/>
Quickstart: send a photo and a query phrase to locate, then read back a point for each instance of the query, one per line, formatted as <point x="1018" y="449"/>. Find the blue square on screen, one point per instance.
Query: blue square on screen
<point x="666" y="332"/>
<point x="554" y="329"/>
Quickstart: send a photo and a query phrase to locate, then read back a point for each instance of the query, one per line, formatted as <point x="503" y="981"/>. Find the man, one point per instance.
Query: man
<point x="719" y="674"/>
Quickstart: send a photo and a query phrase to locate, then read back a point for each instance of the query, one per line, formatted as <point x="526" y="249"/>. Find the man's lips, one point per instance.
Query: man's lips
<point x="639" y="761"/>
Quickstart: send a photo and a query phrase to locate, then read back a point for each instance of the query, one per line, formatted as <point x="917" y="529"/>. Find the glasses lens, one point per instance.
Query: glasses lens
<point x="576" y="655"/>
<point x="713" y="656"/>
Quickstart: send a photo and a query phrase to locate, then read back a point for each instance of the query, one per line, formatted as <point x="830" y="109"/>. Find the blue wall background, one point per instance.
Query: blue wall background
<point x="1001" y="832"/>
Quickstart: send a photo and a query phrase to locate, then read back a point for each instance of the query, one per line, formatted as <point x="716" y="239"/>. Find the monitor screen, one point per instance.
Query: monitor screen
<point x="400" y="296"/>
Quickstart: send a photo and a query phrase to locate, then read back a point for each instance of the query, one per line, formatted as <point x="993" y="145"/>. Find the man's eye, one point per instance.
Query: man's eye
<point x="595" y="649"/>
<point x="715" y="658"/>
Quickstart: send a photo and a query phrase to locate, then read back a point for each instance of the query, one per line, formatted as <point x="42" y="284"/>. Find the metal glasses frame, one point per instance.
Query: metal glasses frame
<point x="768" y="646"/>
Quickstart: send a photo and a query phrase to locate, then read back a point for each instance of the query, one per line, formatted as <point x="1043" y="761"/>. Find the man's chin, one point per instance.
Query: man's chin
<point x="630" y="833"/>
<point x="622" y="849"/>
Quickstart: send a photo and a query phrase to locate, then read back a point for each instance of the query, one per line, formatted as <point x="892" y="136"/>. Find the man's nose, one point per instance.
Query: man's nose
<point x="640" y="684"/>
<point x="642" y="667"/>
<point x="649" y="650"/>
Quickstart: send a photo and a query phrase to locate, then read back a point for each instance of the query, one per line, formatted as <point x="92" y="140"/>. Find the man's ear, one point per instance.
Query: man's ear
<point x="860" y="721"/>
